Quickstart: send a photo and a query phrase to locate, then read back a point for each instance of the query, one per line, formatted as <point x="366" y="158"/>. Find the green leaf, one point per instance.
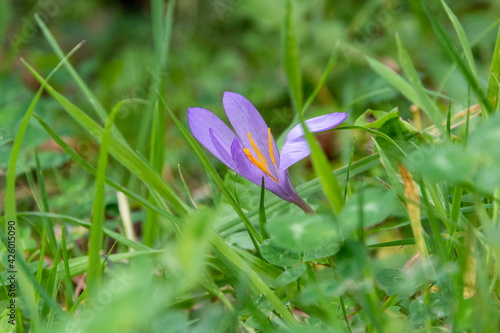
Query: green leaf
<point x="303" y="233"/>
<point x="5" y="136"/>
<point x="327" y="249"/>
<point x="380" y="117"/>
<point x="80" y="265"/>
<point x="444" y="163"/>
<point x="394" y="281"/>
<point x="10" y="204"/>
<point x="291" y="275"/>
<point x="377" y="204"/>
<point x="278" y="256"/>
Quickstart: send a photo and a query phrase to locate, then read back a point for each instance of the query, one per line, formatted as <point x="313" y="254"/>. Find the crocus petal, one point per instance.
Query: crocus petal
<point x="245" y="119"/>
<point x="296" y="146"/>
<point x="254" y="174"/>
<point x="225" y="154"/>
<point x="201" y="122"/>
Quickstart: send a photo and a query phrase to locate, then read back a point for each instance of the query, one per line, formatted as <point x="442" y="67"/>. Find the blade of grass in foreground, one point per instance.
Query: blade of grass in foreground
<point x="262" y="212"/>
<point x="94" y="274"/>
<point x="323" y="169"/>
<point x="45" y="204"/>
<point x="121" y="152"/>
<point x="67" y="278"/>
<point x="156" y="156"/>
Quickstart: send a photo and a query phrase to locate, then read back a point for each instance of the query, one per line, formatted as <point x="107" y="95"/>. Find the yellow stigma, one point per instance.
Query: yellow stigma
<point x="271" y="151"/>
<point x="262" y="163"/>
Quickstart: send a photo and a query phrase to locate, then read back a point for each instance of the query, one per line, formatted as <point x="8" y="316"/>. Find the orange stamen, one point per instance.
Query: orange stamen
<point x="258" y="164"/>
<point x="257" y="151"/>
<point x="271" y="151"/>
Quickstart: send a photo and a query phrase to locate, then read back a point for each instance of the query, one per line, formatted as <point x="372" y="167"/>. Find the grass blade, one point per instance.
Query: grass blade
<point x="262" y="212"/>
<point x="162" y="34"/>
<point x="67" y="278"/>
<point x="89" y="95"/>
<point x="493" y="86"/>
<point x="426" y="103"/>
<point x="291" y="61"/>
<point x="391" y="172"/>
<point x="186" y="187"/>
<point x="156" y="157"/>
<point x="324" y="77"/>
<point x="448" y="46"/>
<point x="462" y="37"/>
<point x="45" y="205"/>
<point x="94" y="275"/>
<point x="322" y="167"/>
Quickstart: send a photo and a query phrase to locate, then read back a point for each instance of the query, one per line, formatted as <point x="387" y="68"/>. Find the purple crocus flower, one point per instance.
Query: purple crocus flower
<point x="252" y="152"/>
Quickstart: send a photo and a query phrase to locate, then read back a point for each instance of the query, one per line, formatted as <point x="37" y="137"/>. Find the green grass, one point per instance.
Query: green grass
<point x="124" y="223"/>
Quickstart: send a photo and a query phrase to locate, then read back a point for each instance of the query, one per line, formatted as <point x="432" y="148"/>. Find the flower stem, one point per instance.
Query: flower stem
<point x="304" y="206"/>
